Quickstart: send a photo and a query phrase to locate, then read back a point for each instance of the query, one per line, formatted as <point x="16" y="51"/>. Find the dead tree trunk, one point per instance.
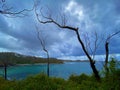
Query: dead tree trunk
<point x="42" y="42"/>
<point x="5" y="71"/>
<point x="48" y="64"/>
<point x="107" y="55"/>
<point x="92" y="63"/>
<point x="107" y="50"/>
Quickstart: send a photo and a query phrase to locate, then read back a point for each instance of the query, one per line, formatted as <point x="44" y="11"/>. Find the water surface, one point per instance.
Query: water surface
<point x="57" y="70"/>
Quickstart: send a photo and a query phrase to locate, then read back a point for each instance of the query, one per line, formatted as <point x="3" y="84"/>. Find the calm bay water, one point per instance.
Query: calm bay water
<point x="57" y="70"/>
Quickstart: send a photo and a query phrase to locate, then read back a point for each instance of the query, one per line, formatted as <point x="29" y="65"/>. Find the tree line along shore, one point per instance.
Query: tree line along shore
<point x="10" y="58"/>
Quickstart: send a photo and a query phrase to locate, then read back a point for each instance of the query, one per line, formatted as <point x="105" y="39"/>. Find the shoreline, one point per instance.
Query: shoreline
<point x="35" y="64"/>
<point x="30" y="64"/>
<point x="44" y="63"/>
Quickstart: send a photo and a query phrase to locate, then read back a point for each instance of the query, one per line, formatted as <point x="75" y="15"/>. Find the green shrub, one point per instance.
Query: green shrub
<point x="79" y="79"/>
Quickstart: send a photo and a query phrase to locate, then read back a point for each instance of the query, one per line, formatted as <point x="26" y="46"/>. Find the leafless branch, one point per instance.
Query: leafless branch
<point x="50" y="20"/>
<point x="92" y="43"/>
<point x="42" y="42"/>
<point x="111" y="36"/>
<point x="96" y="44"/>
<point x="87" y="43"/>
<point x="8" y="11"/>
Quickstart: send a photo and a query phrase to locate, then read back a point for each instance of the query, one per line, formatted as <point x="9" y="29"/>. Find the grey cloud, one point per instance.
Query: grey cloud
<point x="100" y="14"/>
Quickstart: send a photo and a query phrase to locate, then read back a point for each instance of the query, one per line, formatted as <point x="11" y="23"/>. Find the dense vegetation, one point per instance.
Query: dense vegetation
<point x="109" y="81"/>
<point x="14" y="58"/>
<point x="82" y="82"/>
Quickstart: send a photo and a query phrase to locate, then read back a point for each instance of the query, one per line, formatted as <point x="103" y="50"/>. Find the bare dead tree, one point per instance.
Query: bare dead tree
<point x="5" y="62"/>
<point x="42" y="42"/>
<point x="5" y="69"/>
<point x="96" y="42"/>
<point x="107" y="49"/>
<point x="49" y="19"/>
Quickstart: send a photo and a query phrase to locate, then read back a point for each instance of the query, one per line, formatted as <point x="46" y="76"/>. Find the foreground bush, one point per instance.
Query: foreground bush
<point x="82" y="82"/>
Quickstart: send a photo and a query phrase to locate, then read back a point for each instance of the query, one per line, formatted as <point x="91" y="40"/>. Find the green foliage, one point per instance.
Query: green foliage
<point x="112" y="79"/>
<point x="114" y="66"/>
<point x="81" y="82"/>
<point x="78" y="79"/>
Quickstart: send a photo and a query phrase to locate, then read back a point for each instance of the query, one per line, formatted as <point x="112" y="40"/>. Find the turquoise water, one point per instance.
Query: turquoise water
<point x="57" y="70"/>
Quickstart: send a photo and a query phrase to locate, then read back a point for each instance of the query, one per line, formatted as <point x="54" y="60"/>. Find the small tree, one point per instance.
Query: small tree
<point x="107" y="49"/>
<point x="4" y="63"/>
<point x="5" y="60"/>
<point x="42" y="42"/>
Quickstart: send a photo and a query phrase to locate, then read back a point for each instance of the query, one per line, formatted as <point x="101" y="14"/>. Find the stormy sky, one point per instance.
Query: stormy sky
<point x="18" y="34"/>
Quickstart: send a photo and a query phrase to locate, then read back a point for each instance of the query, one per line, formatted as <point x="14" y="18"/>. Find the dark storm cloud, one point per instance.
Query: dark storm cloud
<point x="102" y="16"/>
<point x="3" y="25"/>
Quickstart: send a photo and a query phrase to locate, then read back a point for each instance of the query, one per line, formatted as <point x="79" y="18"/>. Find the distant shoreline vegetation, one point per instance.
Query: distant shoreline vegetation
<point x="12" y="59"/>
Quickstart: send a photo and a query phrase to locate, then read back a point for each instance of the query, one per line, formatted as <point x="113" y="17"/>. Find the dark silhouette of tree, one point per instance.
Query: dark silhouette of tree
<point x="42" y="42"/>
<point x="49" y="19"/>
<point x="5" y="60"/>
<point x="96" y="43"/>
<point x="107" y="49"/>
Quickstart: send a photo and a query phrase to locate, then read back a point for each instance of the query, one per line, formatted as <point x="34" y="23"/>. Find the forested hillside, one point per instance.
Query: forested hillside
<point x="14" y="58"/>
